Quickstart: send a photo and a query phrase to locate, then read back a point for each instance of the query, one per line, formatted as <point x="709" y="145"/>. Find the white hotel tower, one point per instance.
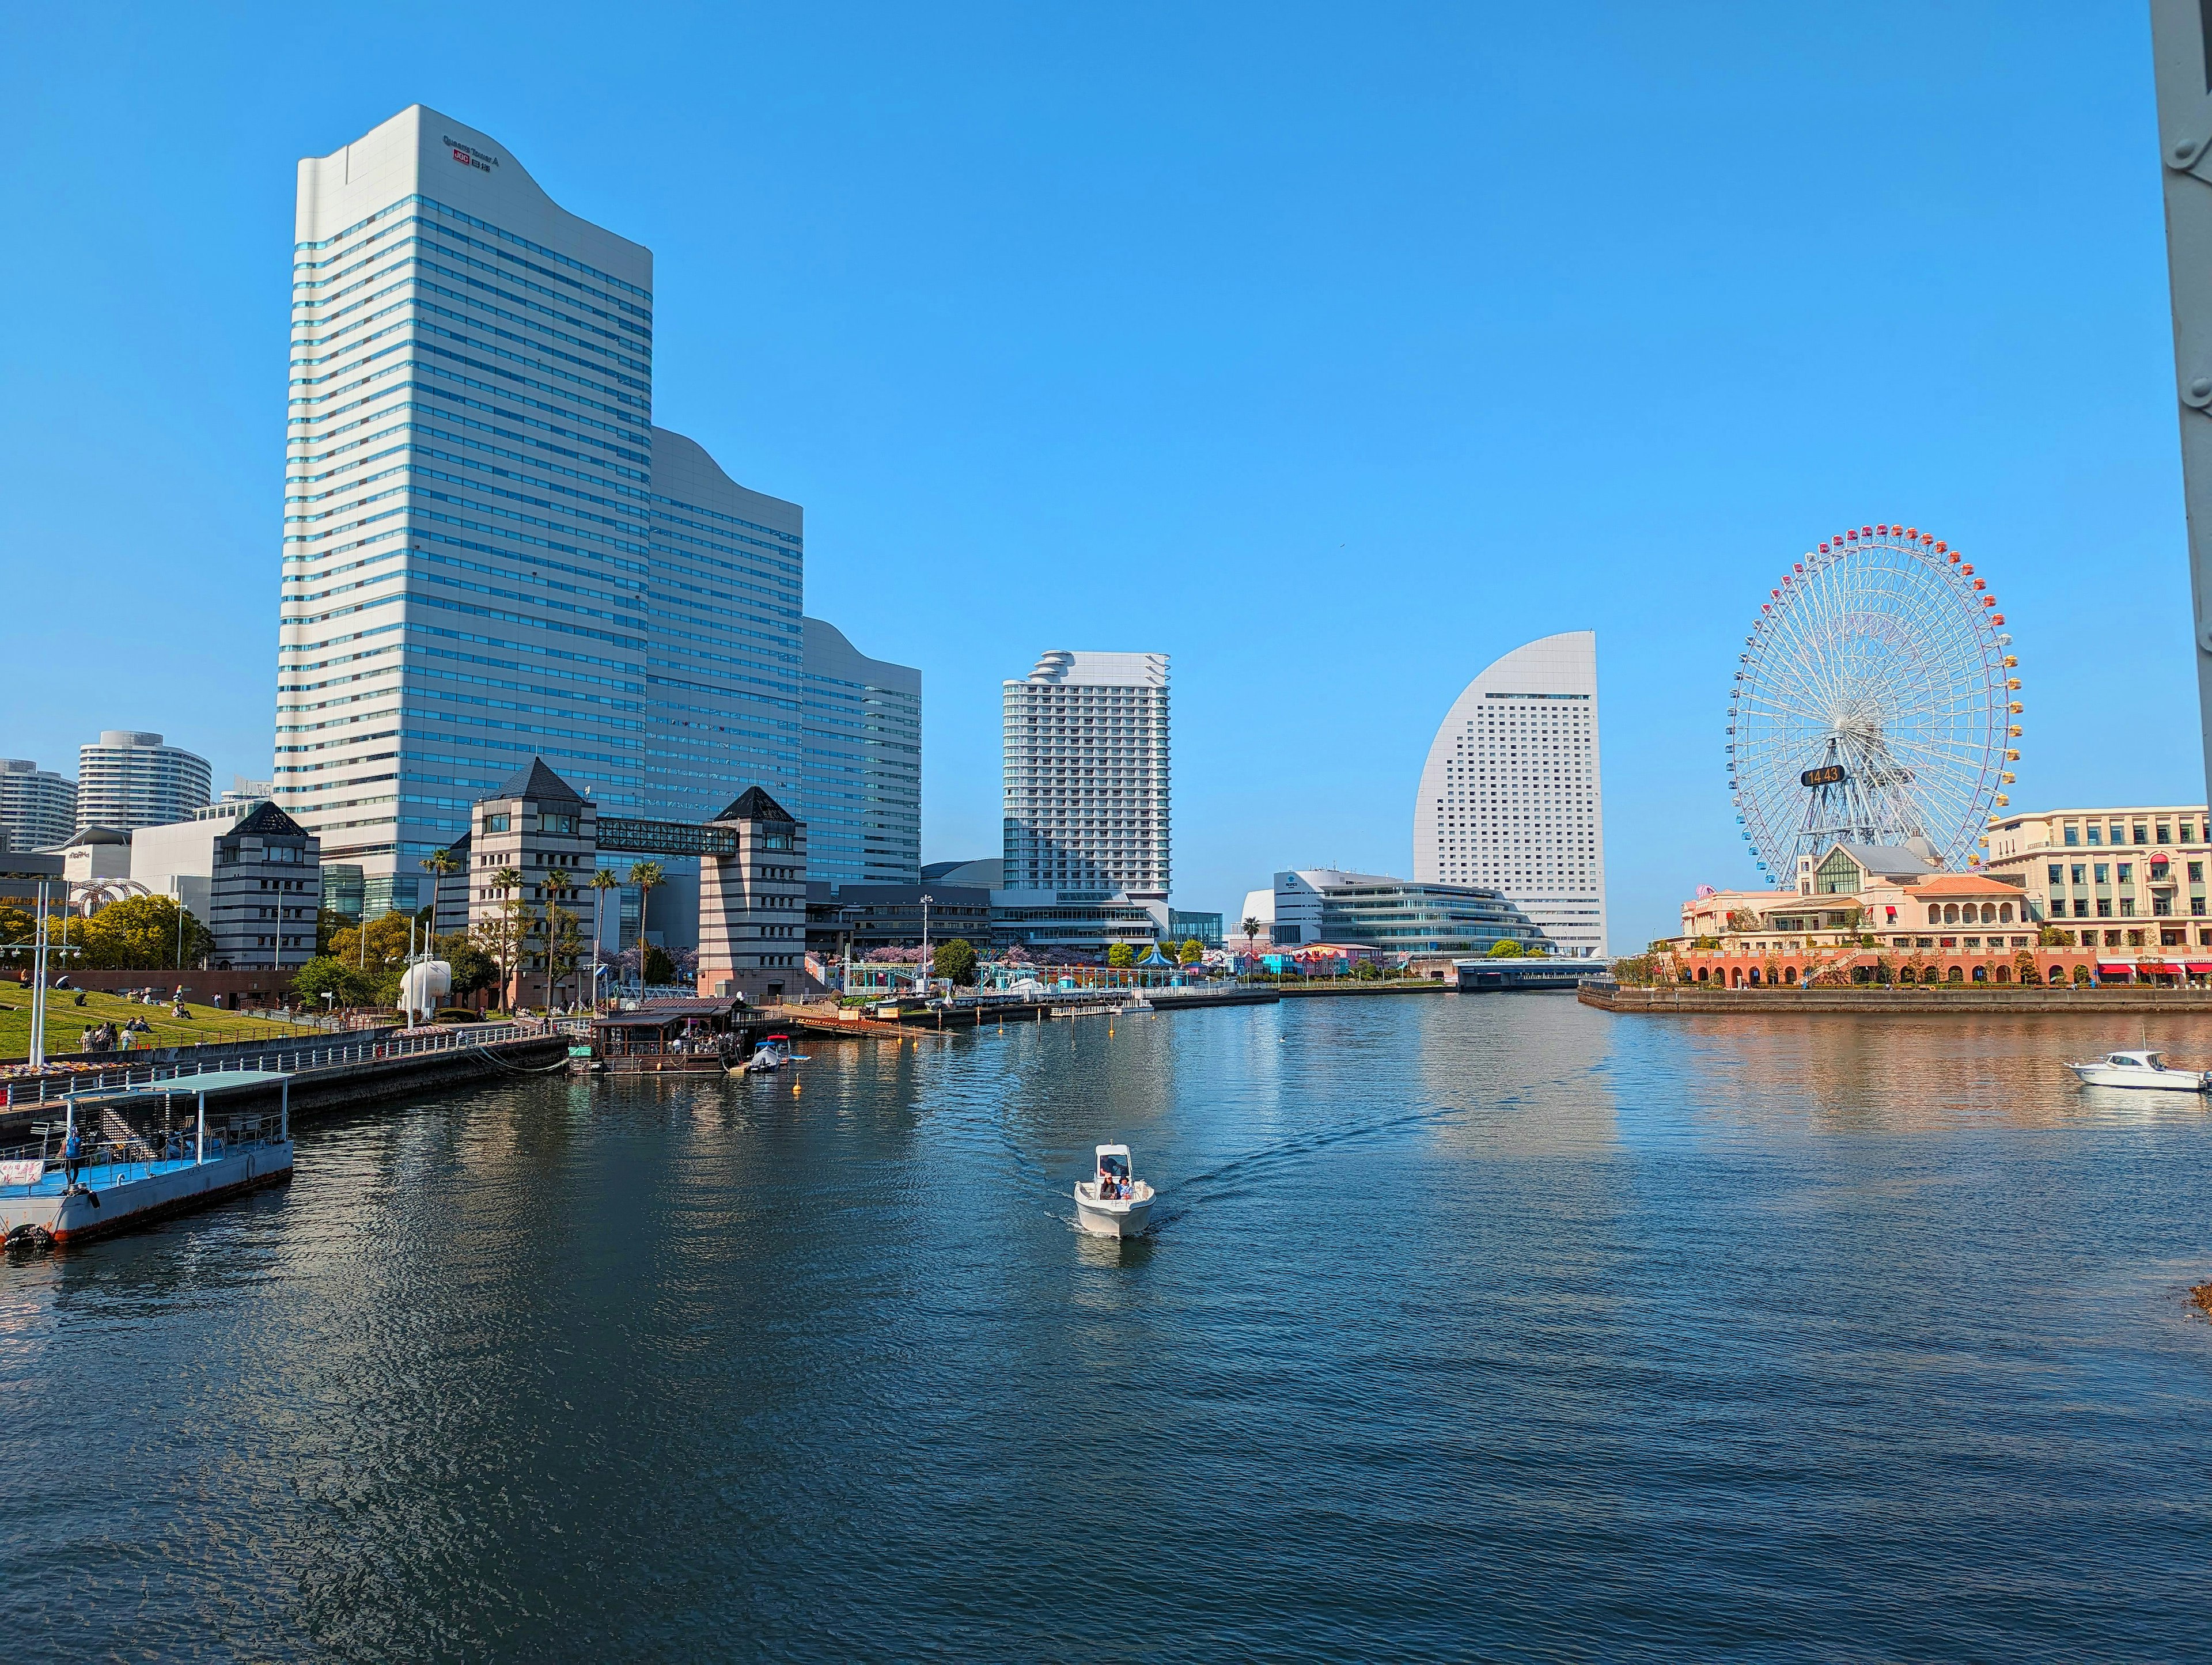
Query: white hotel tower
<point x="1087" y="778"/>
<point x="1509" y="798"/>
<point x="490" y="552"/>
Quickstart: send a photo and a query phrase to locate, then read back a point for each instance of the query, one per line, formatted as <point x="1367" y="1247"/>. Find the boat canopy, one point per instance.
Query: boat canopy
<point x="1113" y="1159"/>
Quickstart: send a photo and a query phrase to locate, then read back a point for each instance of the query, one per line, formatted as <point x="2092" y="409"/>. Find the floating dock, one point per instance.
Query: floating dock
<point x="140" y="1163"/>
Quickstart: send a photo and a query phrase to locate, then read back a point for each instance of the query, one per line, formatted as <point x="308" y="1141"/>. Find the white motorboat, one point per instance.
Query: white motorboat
<point x="2141" y="1069"/>
<point x="1113" y="1203"/>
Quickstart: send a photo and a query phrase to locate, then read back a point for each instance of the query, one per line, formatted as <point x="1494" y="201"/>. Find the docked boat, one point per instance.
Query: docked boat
<point x="141" y="1165"/>
<point x="773" y="1053"/>
<point x="2141" y="1069"/>
<point x="1113" y="1202"/>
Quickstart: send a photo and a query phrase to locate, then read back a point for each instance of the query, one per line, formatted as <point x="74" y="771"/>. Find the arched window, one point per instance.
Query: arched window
<point x="1955" y="975"/>
<point x="2004" y="974"/>
<point x="1981" y="974"/>
<point x="1934" y="914"/>
<point x="2004" y="913"/>
<point x="1951" y="914"/>
<point x="1701" y="974"/>
<point x="1788" y="974"/>
<point x="2057" y="975"/>
<point x="1989" y="914"/>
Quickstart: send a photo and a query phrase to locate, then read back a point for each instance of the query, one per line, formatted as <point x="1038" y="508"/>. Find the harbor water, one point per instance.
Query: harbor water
<point x="1470" y="1327"/>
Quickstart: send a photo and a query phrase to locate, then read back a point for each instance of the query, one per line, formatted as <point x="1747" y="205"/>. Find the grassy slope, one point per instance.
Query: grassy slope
<point x="66" y="1023"/>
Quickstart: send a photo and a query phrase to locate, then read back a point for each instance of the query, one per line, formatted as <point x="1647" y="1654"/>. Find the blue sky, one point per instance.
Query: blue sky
<point x="1334" y="351"/>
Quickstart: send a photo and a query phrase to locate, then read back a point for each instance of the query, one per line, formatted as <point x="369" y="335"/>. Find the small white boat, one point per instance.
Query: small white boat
<point x="772" y="1054"/>
<point x="1111" y="1203"/>
<point x="2141" y="1069"/>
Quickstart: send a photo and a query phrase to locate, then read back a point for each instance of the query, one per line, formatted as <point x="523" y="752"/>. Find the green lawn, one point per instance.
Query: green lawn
<point x="66" y="1022"/>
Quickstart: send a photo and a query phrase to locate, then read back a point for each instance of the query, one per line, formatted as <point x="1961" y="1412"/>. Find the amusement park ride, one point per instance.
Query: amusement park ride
<point x="1877" y="701"/>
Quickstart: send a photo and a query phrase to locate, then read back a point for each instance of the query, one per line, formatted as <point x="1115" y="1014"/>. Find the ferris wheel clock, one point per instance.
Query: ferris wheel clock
<point x="1877" y="700"/>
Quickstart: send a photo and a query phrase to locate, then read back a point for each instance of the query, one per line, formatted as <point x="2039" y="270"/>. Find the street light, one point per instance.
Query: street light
<point x="925" y="900"/>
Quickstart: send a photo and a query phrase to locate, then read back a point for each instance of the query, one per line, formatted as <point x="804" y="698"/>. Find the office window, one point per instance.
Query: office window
<point x="2127" y="907"/>
<point x="2104" y="873"/>
<point x="2187" y="831"/>
<point x="2104" y="908"/>
<point x="2127" y="872"/>
<point x="2072" y="835"/>
<point x="2078" y="870"/>
<point x="2196" y="872"/>
<point x="2080" y="907"/>
<point x="2119" y="833"/>
<point x="2142" y="833"/>
<point x="2165" y="833"/>
<point x="2096" y="834"/>
<point x="2057" y="874"/>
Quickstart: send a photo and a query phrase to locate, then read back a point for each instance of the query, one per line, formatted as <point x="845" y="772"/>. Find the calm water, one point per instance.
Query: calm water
<point x="1482" y="1326"/>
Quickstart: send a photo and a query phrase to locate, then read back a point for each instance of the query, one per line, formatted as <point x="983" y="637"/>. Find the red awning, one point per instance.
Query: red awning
<point x="2124" y="967"/>
<point x="2159" y="969"/>
<point x="2200" y="968"/>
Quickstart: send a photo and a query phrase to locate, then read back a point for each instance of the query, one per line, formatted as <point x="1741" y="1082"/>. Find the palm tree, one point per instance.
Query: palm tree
<point x="440" y="865"/>
<point x="1251" y="931"/>
<point x="557" y="892"/>
<point x="507" y="881"/>
<point x="602" y="880"/>
<point x="647" y="877"/>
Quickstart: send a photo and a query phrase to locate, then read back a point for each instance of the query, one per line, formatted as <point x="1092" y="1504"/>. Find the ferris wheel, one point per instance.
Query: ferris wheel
<point x="1877" y="700"/>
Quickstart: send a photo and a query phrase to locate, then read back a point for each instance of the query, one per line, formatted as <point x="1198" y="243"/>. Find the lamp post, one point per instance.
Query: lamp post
<point x="925" y="900"/>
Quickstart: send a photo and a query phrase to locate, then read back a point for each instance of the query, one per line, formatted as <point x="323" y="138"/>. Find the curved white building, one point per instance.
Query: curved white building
<point x="1509" y="798"/>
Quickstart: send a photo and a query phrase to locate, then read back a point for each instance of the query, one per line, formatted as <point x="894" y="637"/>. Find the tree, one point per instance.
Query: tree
<point x="379" y="946"/>
<point x="346" y="984"/>
<point x="440" y="865"/>
<point x="602" y="880"/>
<point x="648" y="878"/>
<point x="564" y="946"/>
<point x="1506" y="949"/>
<point x="136" y="931"/>
<point x="1251" y="931"/>
<point x="16" y="924"/>
<point x="471" y="966"/>
<point x="1192" y="952"/>
<point x="501" y="931"/>
<point x="955" y="961"/>
<point x="1367" y="971"/>
<point x="656" y="967"/>
<point x="1121" y="954"/>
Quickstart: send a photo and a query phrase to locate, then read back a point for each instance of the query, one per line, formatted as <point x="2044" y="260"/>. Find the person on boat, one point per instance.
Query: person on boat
<point x="72" y="1156"/>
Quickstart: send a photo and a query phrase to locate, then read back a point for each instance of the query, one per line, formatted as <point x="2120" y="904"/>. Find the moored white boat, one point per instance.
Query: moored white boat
<point x="1112" y="1202"/>
<point x="2141" y="1070"/>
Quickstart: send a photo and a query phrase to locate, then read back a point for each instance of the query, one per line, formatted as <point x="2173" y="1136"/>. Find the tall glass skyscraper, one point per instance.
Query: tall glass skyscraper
<point x="862" y="767"/>
<point x="490" y="552"/>
<point x="1510" y="799"/>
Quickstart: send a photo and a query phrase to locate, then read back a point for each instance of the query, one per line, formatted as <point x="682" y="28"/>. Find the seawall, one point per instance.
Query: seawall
<point x="1878" y="1001"/>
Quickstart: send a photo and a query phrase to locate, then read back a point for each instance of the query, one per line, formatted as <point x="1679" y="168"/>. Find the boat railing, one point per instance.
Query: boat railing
<point x="112" y="1158"/>
<point x="52" y="1087"/>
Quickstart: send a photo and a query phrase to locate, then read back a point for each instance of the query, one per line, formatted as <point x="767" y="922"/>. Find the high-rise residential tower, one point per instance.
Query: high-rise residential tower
<point x="1086" y="776"/>
<point x="862" y="768"/>
<point x="132" y="779"/>
<point x="491" y="554"/>
<point x="1509" y="798"/>
<point x="37" y="808"/>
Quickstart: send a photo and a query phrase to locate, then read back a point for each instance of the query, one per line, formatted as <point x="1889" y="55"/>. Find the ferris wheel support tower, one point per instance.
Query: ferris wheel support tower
<point x="2182" y="62"/>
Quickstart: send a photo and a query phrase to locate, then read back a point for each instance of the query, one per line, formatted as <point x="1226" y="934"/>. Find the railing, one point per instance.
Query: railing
<point x="284" y="1059"/>
<point x="108" y="1160"/>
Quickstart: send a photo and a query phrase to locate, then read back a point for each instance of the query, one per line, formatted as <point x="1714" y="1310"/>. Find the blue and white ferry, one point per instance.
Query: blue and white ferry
<point x="133" y="1171"/>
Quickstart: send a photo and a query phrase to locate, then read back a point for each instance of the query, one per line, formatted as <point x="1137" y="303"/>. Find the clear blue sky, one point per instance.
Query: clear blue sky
<point x="1334" y="351"/>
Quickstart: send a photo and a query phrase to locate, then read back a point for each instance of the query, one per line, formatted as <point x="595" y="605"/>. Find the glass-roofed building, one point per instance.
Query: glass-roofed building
<point x="1397" y="916"/>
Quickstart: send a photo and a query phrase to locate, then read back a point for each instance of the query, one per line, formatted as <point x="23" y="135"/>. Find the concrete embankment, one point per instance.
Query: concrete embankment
<point x="1895" y="1001"/>
<point x="333" y="1086"/>
<point x="1353" y="986"/>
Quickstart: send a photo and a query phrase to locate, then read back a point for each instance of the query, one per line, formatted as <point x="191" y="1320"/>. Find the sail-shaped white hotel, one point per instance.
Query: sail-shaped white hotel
<point x="1510" y="799"/>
